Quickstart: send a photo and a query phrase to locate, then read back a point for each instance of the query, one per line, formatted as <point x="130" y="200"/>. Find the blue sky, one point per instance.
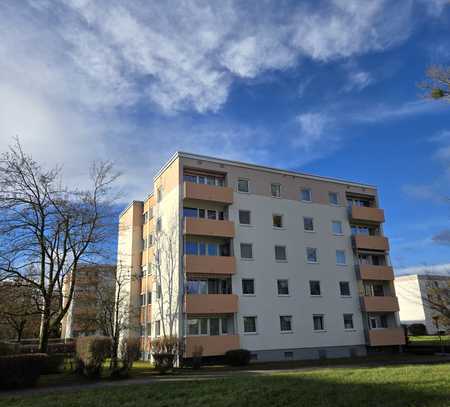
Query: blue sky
<point x="327" y="87"/>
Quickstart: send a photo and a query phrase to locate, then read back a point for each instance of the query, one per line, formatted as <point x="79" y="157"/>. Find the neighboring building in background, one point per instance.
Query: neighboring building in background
<point x="284" y="264"/>
<point x="82" y="317"/>
<point x="413" y="292"/>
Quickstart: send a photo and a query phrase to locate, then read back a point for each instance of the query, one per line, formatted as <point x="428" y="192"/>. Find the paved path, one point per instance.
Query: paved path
<point x="205" y="375"/>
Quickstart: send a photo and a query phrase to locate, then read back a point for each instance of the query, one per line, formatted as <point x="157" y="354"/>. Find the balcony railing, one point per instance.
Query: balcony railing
<point x="379" y="243"/>
<point x="208" y="227"/>
<point x="379" y="304"/>
<point x="365" y="214"/>
<point x="371" y="272"/>
<point x="386" y="337"/>
<point x="212" y="345"/>
<point x="209" y="193"/>
<point x="211" y="303"/>
<point x="210" y="264"/>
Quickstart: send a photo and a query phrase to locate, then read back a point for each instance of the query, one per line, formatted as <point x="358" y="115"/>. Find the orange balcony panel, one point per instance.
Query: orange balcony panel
<point x="212" y="345"/>
<point x="208" y="227"/>
<point x="379" y="304"/>
<point x="370" y="272"/>
<point x="210" y="264"/>
<point x="142" y="315"/>
<point x="364" y="214"/>
<point x="209" y="193"/>
<point x="211" y="303"/>
<point x="379" y="243"/>
<point x="386" y="337"/>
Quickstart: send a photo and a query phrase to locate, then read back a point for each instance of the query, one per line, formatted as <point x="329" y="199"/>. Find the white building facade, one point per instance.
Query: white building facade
<point x="286" y="265"/>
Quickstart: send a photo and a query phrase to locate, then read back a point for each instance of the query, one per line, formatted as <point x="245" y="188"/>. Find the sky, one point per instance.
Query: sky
<point x="324" y="87"/>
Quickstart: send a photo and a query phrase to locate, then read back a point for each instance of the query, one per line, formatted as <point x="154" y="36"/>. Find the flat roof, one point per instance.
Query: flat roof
<point x="257" y="167"/>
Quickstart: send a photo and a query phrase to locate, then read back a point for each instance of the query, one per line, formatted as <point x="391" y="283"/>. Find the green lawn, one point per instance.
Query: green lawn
<point x="419" y="385"/>
<point x="429" y="340"/>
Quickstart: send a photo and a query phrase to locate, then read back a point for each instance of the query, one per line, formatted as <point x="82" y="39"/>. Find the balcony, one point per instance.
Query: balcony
<point x="370" y="272"/>
<point x="211" y="303"/>
<point x="209" y="193"/>
<point x="212" y="345"/>
<point x="379" y="243"/>
<point x="223" y="265"/>
<point x="208" y="227"/>
<point x="379" y="304"/>
<point x="386" y="337"/>
<point x="365" y="214"/>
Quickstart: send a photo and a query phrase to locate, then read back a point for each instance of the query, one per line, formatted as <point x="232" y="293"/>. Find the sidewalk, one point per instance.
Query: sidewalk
<point x="205" y="375"/>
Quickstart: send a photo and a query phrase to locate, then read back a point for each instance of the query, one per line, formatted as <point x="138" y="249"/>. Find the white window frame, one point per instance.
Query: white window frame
<point x="243" y="325"/>
<point x="240" y="251"/>
<point x="282" y="221"/>
<point x="353" y="322"/>
<point x="249" y="217"/>
<point x="310" y="194"/>
<point x="317" y="255"/>
<point x="290" y="330"/>
<point x="278" y="290"/>
<point x="345" y="257"/>
<point x="248" y="185"/>
<point x="349" y="290"/>
<point x="320" y="288"/>
<point x="332" y="229"/>
<point x="278" y="185"/>
<point x="242" y="287"/>
<point x="324" y="328"/>
<point x="306" y="230"/>
<point x="285" y="254"/>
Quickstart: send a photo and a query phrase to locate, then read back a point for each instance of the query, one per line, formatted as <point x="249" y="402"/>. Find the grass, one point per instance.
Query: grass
<point x="429" y="340"/>
<point x="419" y="385"/>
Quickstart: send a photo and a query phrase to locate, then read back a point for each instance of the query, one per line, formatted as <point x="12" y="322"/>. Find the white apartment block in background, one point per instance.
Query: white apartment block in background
<point x="413" y="291"/>
<point x="286" y="265"/>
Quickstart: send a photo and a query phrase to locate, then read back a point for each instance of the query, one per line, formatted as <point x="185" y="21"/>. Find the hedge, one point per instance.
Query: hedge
<point x="237" y="357"/>
<point x="91" y="353"/>
<point x="8" y="348"/>
<point x="21" y="370"/>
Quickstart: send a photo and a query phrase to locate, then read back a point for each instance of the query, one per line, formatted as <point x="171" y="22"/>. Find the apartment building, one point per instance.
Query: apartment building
<point x="414" y="292"/>
<point x="232" y="255"/>
<point x="94" y="284"/>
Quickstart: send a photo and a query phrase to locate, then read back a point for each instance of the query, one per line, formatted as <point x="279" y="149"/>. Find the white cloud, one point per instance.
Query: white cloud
<point x="439" y="269"/>
<point x="358" y="80"/>
<point x="314" y="127"/>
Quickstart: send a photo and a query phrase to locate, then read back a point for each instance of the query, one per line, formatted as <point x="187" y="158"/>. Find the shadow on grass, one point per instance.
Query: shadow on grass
<point x="387" y="387"/>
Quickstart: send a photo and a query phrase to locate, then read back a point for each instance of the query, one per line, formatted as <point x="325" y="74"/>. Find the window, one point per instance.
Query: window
<point x="348" y="321"/>
<point x="213" y="249"/>
<point x="210" y="326"/>
<point x="280" y="253"/>
<point x="149" y="329"/>
<point x="344" y="287"/>
<point x="157" y="328"/>
<point x="275" y="190"/>
<point x="288" y="355"/>
<point x="311" y="255"/>
<point x="333" y="198"/>
<point x="286" y="323"/>
<point x="190" y="212"/>
<point x="336" y="227"/>
<point x="142" y="330"/>
<point x="308" y="224"/>
<point x="158" y="291"/>
<point x="191" y="248"/>
<point x="248" y="286"/>
<point x="243" y="185"/>
<point x="250" y="324"/>
<point x="283" y="287"/>
<point x="145" y="217"/>
<point x="277" y="221"/>
<point x="340" y="257"/>
<point x="158" y="225"/>
<point x="150" y="240"/>
<point x="211" y="214"/>
<point x="246" y="251"/>
<point x="305" y="195"/>
<point x="314" y="287"/>
<point x="318" y="323"/>
<point x="149" y="297"/>
<point x="214" y="326"/>
<point x="244" y="217"/>
<point x="142" y="300"/>
<point x="197" y="287"/>
<point x="377" y="322"/>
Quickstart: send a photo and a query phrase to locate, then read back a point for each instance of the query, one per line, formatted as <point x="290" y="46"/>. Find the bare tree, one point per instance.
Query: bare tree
<point x="48" y="230"/>
<point x="111" y="313"/>
<point x="437" y="85"/>
<point x="19" y="315"/>
<point x="437" y="300"/>
<point x="169" y="289"/>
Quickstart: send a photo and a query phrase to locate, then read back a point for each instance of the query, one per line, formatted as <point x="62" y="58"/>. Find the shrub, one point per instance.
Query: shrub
<point x="8" y="348"/>
<point x="197" y="354"/>
<point x="58" y="347"/>
<point x="91" y="353"/>
<point x="55" y="363"/>
<point x="21" y="370"/>
<point x="417" y="329"/>
<point x="129" y="353"/>
<point x="237" y="357"/>
<point x="164" y="352"/>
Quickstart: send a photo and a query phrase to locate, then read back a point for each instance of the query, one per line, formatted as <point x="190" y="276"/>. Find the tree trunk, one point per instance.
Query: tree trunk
<point x="114" y="349"/>
<point x="44" y="329"/>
